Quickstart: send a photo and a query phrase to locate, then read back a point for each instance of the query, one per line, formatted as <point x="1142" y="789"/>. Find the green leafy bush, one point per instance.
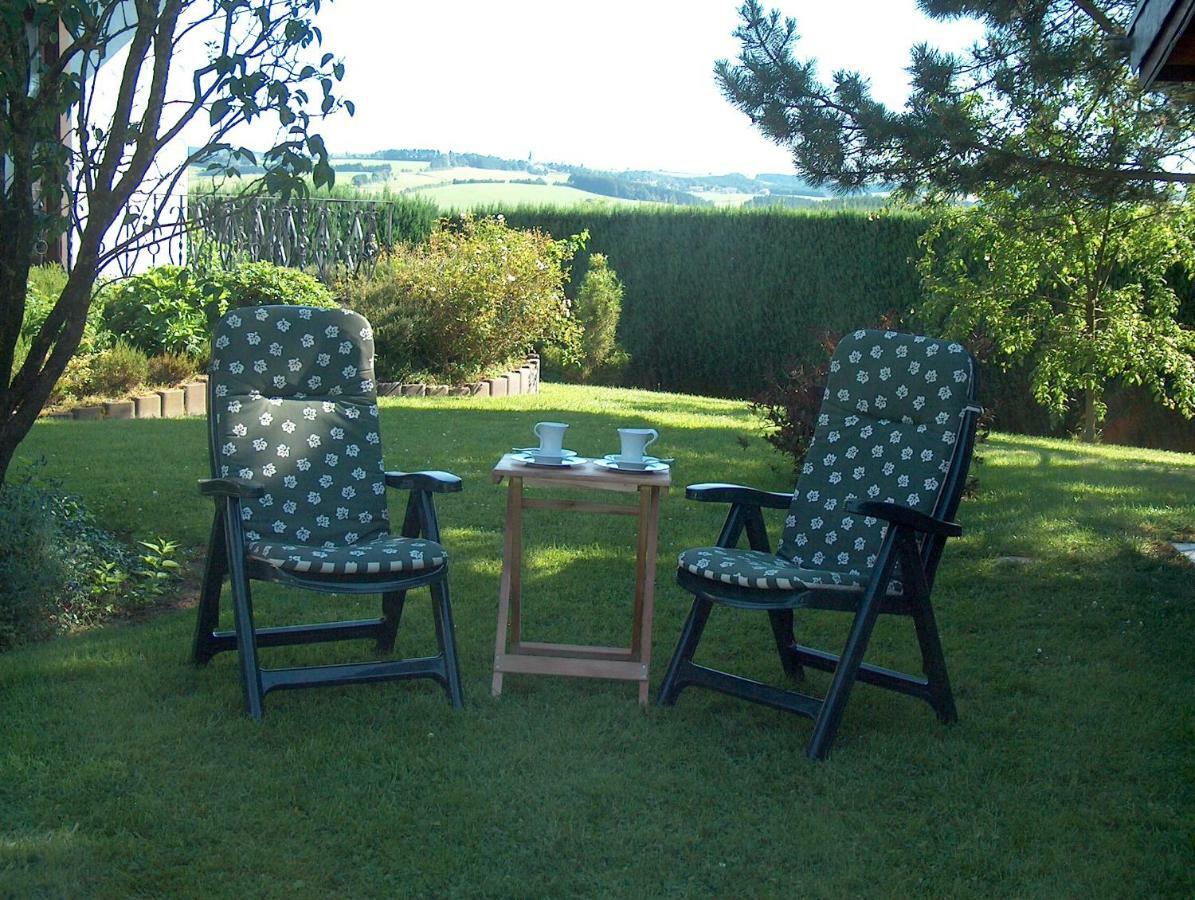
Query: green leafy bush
<point x="32" y="569"/>
<point x="164" y="310"/>
<point x="59" y="570"/>
<point x="118" y="371"/>
<point x="43" y="289"/>
<point x="42" y="292"/>
<point x="263" y="284"/>
<point x="171" y="368"/>
<point x="476" y="296"/>
<point x="172" y="309"/>
<point x="75" y="381"/>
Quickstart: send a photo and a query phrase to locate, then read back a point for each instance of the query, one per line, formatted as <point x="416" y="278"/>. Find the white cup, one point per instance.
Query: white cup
<point x="635" y="442"/>
<point x="551" y="437"/>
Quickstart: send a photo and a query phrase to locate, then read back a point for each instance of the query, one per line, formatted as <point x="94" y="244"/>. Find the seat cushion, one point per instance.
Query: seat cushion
<point x="754" y="569"/>
<point x="381" y="555"/>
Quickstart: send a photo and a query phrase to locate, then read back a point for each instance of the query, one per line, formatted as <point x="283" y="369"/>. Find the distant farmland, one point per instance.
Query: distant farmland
<point x="481" y="187"/>
<point x="464" y="181"/>
<point x="471" y="196"/>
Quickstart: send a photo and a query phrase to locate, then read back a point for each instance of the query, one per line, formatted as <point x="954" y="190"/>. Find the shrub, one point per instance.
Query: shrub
<point x="475" y="297"/>
<point x="59" y="570"/>
<point x="790" y="404"/>
<point x="597" y="308"/>
<point x="172" y="309"/>
<point x="790" y="407"/>
<point x="42" y="292"/>
<point x="171" y="368"/>
<point x="32" y="569"/>
<point x="75" y="380"/>
<point x="163" y="310"/>
<point x="116" y="372"/>
<point x="262" y="284"/>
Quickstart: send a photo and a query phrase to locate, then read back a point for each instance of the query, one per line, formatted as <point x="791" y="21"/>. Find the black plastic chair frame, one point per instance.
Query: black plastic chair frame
<point x="912" y="548"/>
<point x="419" y="521"/>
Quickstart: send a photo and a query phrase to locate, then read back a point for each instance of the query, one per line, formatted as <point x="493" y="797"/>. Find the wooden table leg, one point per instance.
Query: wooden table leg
<point x="510" y="584"/>
<point x="645" y="581"/>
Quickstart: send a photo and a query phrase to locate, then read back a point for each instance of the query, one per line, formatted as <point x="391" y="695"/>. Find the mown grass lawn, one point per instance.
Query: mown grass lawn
<point x="126" y="772"/>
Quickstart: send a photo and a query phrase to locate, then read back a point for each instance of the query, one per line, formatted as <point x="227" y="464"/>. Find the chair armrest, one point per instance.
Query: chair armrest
<point x="904" y="515"/>
<point x="231" y="487"/>
<point x="734" y="493"/>
<point x="435" y="482"/>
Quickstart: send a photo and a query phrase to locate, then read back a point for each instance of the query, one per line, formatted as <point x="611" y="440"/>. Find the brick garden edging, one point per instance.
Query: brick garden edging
<point x="523" y="380"/>
<point x="191" y="399"/>
<point x="167" y="403"/>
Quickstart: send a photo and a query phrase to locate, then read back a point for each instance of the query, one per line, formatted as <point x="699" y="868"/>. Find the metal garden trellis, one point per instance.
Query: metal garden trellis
<point x="329" y="236"/>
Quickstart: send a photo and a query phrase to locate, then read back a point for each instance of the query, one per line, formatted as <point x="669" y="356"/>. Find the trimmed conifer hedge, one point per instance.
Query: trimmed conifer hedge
<point x="717" y="301"/>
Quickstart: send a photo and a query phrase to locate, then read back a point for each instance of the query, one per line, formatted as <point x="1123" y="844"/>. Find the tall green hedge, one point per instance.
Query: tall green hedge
<point x="717" y="301"/>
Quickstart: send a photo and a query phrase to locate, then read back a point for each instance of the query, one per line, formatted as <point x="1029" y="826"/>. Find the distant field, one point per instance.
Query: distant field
<point x="723" y="198"/>
<point x="470" y="196"/>
<point x="436" y="185"/>
<point x="432" y="178"/>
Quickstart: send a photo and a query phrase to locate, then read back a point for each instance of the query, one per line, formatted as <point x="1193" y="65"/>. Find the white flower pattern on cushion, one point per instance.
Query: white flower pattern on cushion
<point x="276" y="422"/>
<point x="755" y="569"/>
<point x="908" y="439"/>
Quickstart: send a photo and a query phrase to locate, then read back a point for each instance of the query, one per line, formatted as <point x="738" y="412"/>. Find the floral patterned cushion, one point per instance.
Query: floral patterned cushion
<point x="377" y="556"/>
<point x="887" y="430"/>
<point x="754" y="569"/>
<point x="294" y="408"/>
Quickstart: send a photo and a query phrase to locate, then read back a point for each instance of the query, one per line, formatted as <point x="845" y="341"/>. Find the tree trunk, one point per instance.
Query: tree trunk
<point x="1089" y="416"/>
<point x="27" y="394"/>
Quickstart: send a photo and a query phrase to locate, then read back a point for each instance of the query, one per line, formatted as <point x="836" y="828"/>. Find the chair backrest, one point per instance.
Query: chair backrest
<point x="897" y="424"/>
<point x="293" y="406"/>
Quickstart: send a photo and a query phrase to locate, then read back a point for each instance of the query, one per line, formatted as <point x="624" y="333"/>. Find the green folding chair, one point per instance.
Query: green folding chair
<point x="300" y="492"/>
<point x="865" y="529"/>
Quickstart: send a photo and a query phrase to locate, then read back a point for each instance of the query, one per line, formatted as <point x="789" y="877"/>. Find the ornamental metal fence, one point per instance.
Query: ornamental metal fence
<point x="327" y="236"/>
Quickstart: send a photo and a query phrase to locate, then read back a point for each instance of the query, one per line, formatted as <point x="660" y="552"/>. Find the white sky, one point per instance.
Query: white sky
<point x="615" y="84"/>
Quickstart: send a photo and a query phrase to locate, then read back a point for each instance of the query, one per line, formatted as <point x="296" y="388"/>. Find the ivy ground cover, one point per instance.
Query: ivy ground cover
<point x="1067" y="625"/>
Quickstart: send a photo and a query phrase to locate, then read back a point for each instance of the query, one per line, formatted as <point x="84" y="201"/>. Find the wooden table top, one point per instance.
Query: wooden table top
<point x="588" y="475"/>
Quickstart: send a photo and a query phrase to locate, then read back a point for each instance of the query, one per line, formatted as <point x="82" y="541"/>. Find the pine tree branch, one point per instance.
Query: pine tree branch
<point x="1097" y="15"/>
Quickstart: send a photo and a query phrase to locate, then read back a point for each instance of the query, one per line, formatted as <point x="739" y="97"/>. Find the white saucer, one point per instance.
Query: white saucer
<point x="633" y="465"/>
<point x="550" y="462"/>
<point x="545" y="458"/>
<point x="650" y="467"/>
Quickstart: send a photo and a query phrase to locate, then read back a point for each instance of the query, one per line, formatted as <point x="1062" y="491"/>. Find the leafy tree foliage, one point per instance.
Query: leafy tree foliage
<point x="70" y="164"/>
<point x="1079" y="174"/>
<point x="1047" y="93"/>
<point x="1078" y="289"/>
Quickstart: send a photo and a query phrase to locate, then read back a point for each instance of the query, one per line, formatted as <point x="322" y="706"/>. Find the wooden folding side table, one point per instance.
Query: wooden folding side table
<point x="529" y="657"/>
